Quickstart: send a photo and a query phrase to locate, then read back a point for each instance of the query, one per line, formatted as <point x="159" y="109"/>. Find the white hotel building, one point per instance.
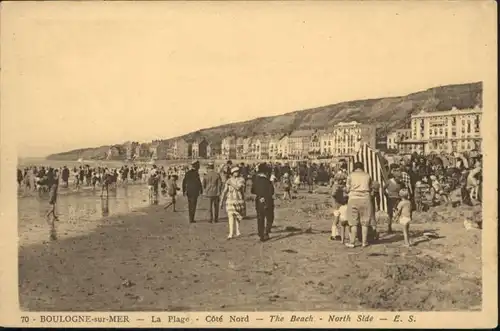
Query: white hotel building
<point x="456" y="130"/>
<point x="342" y="139"/>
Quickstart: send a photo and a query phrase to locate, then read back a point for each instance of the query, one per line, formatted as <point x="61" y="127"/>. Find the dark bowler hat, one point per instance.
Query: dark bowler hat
<point x="262" y="167"/>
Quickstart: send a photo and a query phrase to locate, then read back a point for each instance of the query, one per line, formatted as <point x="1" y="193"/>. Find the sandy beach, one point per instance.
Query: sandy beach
<point x="154" y="260"/>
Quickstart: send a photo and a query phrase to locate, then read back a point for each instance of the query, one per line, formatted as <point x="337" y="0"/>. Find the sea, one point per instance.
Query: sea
<point x="26" y="162"/>
<point x="79" y="211"/>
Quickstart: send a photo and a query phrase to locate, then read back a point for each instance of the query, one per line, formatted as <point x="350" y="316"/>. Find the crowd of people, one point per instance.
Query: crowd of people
<point x="35" y="178"/>
<point x="416" y="183"/>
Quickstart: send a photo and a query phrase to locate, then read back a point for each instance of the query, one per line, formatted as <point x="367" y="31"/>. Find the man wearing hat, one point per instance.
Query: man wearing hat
<point x="264" y="203"/>
<point x="192" y="188"/>
<point x="212" y="186"/>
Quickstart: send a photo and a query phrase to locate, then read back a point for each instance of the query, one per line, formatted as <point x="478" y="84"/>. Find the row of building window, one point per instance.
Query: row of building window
<point x="442" y="121"/>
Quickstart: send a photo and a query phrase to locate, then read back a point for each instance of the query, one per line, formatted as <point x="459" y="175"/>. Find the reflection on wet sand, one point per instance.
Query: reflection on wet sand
<point x="53" y="232"/>
<point x="105" y="206"/>
<point x="78" y="213"/>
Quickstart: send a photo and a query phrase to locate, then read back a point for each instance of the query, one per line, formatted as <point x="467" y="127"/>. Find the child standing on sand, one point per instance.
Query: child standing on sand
<point x="172" y="189"/>
<point x="339" y="212"/>
<point x="343" y="222"/>
<point x="403" y="213"/>
<point x="340" y="215"/>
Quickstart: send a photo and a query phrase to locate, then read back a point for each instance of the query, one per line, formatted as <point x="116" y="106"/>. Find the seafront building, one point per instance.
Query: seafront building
<point x="228" y="148"/>
<point x="283" y="147"/>
<point x="260" y="148"/>
<point x="456" y="130"/>
<point x="239" y="148"/>
<point x="343" y="138"/>
<point x="130" y="148"/>
<point x="299" y="143"/>
<point x="199" y="149"/>
<point x="142" y="151"/>
<point x="114" y="152"/>
<point x="395" y="138"/>
<point x="315" y="143"/>
<point x="214" y="150"/>
<point x="247" y="145"/>
<point x="273" y="146"/>
<point x="158" y="150"/>
<point x="180" y="149"/>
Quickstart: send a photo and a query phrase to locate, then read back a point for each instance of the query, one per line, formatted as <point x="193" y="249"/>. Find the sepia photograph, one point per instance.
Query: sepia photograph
<point x="324" y="159"/>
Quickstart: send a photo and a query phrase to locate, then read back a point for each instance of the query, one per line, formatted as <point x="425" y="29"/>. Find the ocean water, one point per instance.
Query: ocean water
<point x="26" y="162"/>
<point x="81" y="211"/>
<point x="78" y="213"/>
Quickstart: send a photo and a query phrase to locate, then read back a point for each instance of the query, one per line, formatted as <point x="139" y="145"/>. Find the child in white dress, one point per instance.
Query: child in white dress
<point x="340" y="213"/>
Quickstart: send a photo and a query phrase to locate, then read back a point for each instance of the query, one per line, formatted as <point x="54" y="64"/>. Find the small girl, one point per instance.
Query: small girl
<point x="172" y="189"/>
<point x="340" y="214"/>
<point x="287" y="185"/>
<point x="403" y="213"/>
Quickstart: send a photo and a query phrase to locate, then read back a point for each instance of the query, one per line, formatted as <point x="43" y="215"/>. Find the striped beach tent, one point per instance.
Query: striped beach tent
<point x="373" y="166"/>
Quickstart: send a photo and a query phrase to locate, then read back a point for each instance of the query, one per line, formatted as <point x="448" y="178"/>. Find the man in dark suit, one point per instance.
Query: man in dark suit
<point x="212" y="186"/>
<point x="192" y="188"/>
<point x="264" y="202"/>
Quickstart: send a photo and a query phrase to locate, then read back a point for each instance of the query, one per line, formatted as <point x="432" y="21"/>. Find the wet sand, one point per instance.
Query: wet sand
<point x="79" y="212"/>
<point x="154" y="260"/>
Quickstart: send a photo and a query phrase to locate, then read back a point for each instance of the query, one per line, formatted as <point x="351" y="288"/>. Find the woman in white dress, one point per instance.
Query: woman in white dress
<point x="233" y="197"/>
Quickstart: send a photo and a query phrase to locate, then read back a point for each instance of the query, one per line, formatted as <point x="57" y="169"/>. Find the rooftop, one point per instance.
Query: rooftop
<point x="454" y="110"/>
<point x="277" y="136"/>
<point x="348" y="123"/>
<point x="302" y="133"/>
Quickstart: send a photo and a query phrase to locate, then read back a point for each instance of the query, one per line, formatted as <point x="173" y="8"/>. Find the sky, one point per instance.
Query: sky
<point x="88" y="74"/>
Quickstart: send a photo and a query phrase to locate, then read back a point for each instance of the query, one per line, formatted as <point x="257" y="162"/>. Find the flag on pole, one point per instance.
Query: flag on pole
<point x="374" y="167"/>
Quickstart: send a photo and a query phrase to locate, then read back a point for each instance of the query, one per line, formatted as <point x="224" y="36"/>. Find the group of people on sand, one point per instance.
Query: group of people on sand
<point x="32" y="179"/>
<point x="414" y="184"/>
<point x="355" y="203"/>
<point x="46" y="181"/>
<point x="227" y="189"/>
